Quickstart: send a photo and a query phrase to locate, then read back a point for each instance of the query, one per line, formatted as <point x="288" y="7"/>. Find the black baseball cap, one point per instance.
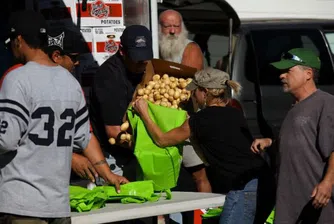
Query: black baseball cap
<point x="67" y="40"/>
<point x="26" y="23"/>
<point x="136" y="40"/>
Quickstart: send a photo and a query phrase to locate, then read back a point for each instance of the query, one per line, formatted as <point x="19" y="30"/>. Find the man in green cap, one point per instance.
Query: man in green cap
<point x="306" y="144"/>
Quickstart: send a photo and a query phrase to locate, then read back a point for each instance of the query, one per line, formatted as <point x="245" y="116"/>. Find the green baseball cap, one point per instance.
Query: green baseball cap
<point x="298" y="56"/>
<point x="209" y="78"/>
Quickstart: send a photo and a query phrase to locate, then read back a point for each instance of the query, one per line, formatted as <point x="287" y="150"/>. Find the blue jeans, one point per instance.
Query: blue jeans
<point x="240" y="205"/>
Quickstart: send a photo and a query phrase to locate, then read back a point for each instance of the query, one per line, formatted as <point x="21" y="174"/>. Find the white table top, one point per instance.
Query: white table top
<point x="180" y="202"/>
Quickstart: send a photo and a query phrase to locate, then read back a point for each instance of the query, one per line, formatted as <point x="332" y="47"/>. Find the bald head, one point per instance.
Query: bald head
<point x="170" y="22"/>
<point x="173" y="35"/>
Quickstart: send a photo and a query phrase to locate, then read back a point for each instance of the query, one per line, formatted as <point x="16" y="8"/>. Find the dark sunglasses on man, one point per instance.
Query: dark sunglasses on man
<point x="73" y="56"/>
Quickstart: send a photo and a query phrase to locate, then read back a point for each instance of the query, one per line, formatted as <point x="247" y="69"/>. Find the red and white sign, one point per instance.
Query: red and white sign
<point x="106" y="42"/>
<point x="58" y="12"/>
<point x="101" y="13"/>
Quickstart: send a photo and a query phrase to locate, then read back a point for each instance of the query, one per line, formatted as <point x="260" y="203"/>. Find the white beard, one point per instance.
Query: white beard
<point x="171" y="46"/>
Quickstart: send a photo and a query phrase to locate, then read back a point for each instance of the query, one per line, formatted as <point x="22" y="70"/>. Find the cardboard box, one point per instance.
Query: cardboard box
<point x="58" y="12"/>
<point x="106" y="42"/>
<point x="100" y="13"/>
<point x="161" y="67"/>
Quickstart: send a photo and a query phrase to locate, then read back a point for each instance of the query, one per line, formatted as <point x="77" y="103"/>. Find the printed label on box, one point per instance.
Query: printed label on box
<point x="106" y="42"/>
<point x="101" y="13"/>
<point x="87" y="34"/>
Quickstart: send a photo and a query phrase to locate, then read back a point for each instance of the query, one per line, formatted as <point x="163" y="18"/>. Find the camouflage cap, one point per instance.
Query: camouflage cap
<point x="209" y="78"/>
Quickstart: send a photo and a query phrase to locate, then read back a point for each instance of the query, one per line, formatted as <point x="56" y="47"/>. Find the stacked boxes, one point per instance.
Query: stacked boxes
<point x="100" y="22"/>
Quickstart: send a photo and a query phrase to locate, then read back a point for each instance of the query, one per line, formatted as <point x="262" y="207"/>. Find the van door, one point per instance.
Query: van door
<point x="269" y="46"/>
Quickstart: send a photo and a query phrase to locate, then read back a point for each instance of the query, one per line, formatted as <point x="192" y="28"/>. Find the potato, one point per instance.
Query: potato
<point x="156" y="77"/>
<point x="172" y="79"/>
<point x="145" y="97"/>
<point x="125" y="126"/>
<point x="162" y="91"/>
<point x="167" y="81"/>
<point x="128" y="137"/>
<point x="166" y="95"/>
<point x="171" y="92"/>
<point x="176" y="95"/>
<point x="157" y="96"/>
<point x="157" y="102"/>
<point x="181" y="80"/>
<point x="174" y="106"/>
<point x="173" y="85"/>
<point x="123" y="136"/>
<point x="140" y="92"/>
<point x="162" y="85"/>
<point x="170" y="98"/>
<point x="149" y="87"/>
<point x="165" y="76"/>
<point x="156" y="86"/>
<point x="112" y="141"/>
<point x="146" y="91"/>
<point x="164" y="104"/>
<point x="164" y="100"/>
<point x="151" y="83"/>
<point x="183" y="97"/>
<point x="183" y="85"/>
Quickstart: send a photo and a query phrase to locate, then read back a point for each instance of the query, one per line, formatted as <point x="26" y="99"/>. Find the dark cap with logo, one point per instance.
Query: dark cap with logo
<point x="298" y="56"/>
<point x="66" y="39"/>
<point x="26" y="23"/>
<point x="136" y="40"/>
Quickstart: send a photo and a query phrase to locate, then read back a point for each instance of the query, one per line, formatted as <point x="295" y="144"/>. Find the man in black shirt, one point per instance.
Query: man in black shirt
<point x="113" y="88"/>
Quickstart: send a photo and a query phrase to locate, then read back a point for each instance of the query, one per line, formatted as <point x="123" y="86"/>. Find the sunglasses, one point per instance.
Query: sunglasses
<point x="289" y="56"/>
<point x="74" y="57"/>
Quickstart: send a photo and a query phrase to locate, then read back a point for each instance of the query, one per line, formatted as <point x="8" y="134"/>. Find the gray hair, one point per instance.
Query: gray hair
<point x="314" y="70"/>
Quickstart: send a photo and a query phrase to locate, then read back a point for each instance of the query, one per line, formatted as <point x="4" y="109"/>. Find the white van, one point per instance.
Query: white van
<point x="251" y="45"/>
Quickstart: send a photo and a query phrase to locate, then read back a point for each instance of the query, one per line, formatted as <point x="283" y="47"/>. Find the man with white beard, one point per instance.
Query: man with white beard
<point x="174" y="44"/>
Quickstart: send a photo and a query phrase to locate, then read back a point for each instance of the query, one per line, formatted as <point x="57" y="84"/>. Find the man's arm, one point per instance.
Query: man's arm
<point x="94" y="153"/>
<point x="322" y="193"/>
<point x="112" y="100"/>
<point x="192" y="56"/>
<point x="14" y="113"/>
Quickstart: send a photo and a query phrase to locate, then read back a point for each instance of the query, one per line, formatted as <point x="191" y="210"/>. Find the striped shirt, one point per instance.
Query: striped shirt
<point x="42" y="114"/>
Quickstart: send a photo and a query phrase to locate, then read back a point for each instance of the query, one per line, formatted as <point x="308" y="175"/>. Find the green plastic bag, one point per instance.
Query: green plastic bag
<point x="161" y="165"/>
<point x="83" y="199"/>
<point x="270" y="219"/>
<point x="212" y="212"/>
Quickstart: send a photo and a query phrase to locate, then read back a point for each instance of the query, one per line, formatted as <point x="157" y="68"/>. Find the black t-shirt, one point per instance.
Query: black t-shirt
<point x="225" y="140"/>
<point x="111" y="94"/>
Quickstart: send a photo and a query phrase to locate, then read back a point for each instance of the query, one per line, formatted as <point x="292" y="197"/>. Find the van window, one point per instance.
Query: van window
<point x="214" y="47"/>
<point x="330" y="39"/>
<point x="270" y="44"/>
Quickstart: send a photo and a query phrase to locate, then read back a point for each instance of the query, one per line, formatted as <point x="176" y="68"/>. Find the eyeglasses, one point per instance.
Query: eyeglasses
<point x="289" y="56"/>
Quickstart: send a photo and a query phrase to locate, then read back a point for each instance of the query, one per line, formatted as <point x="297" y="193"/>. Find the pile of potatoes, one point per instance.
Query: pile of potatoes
<point x="163" y="90"/>
<point x="166" y="91"/>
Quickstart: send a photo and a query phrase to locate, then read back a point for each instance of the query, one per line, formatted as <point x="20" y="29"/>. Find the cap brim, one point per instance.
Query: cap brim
<point x="140" y="54"/>
<point x="191" y="86"/>
<point x="283" y="64"/>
